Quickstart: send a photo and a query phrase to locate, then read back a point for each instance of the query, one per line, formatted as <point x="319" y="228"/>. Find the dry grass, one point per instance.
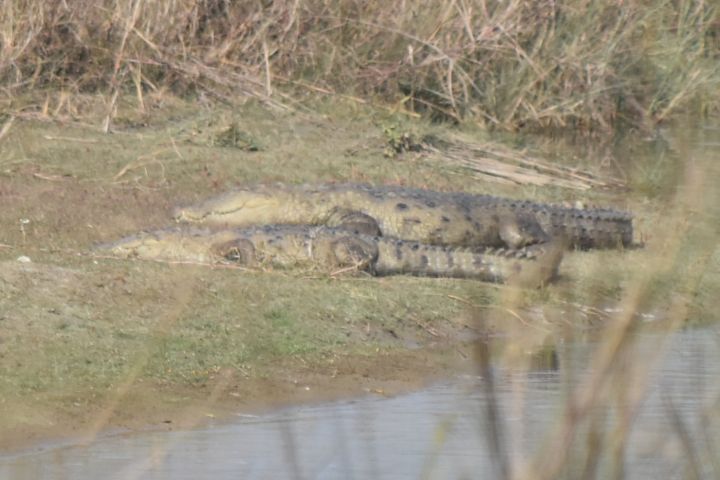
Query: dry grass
<point x="505" y="65"/>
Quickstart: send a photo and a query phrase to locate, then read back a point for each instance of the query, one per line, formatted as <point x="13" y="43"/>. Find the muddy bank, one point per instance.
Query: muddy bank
<point x="143" y="404"/>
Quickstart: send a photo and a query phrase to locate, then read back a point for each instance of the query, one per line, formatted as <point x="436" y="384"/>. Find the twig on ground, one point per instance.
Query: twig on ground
<point x="352" y="268"/>
<point x="71" y="139"/>
<point x="50" y="178"/>
<point x="140" y="163"/>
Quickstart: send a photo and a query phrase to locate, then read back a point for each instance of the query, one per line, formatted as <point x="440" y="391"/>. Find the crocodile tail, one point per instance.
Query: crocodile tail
<point x="531" y="266"/>
<point x="589" y="228"/>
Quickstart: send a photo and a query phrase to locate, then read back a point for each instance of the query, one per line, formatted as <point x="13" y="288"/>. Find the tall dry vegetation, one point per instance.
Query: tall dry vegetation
<point x="505" y="64"/>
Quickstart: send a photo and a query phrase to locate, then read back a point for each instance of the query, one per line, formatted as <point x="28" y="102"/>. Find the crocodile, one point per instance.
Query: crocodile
<point x="425" y="216"/>
<point x="337" y="248"/>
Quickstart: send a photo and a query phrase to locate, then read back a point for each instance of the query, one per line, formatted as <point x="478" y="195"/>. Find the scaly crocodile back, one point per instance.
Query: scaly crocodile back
<point x="426" y="216"/>
<point x="582" y="228"/>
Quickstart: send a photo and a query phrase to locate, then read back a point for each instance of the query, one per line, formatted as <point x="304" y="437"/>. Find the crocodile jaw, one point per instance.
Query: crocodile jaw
<point x="174" y="245"/>
<point x="239" y="211"/>
<point x="244" y="208"/>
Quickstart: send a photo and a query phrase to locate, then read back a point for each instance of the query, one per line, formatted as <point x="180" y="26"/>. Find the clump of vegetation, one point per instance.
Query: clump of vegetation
<point x="505" y="65"/>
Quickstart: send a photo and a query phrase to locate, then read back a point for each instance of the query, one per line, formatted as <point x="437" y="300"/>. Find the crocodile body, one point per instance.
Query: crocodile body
<point x="332" y="248"/>
<point x="430" y="217"/>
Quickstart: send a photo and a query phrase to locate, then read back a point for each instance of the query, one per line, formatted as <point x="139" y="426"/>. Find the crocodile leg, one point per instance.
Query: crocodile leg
<point x="519" y="230"/>
<point x="239" y="250"/>
<point x="354" y="221"/>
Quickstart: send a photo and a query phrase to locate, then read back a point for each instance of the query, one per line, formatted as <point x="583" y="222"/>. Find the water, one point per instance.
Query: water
<point x="441" y="432"/>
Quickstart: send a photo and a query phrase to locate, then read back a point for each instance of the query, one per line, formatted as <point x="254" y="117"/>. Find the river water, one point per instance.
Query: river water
<point x="442" y="432"/>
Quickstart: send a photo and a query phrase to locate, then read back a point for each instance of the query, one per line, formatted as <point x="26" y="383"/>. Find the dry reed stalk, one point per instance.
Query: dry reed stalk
<point x="609" y="373"/>
<point x="506" y="65"/>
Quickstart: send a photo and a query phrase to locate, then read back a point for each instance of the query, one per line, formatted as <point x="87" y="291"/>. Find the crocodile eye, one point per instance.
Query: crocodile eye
<point x="401" y="206"/>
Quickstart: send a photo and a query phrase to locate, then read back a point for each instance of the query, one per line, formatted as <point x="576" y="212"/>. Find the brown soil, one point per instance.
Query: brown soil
<point x="182" y="407"/>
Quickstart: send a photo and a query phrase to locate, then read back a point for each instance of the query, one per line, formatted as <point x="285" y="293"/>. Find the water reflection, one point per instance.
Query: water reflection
<point x="438" y="433"/>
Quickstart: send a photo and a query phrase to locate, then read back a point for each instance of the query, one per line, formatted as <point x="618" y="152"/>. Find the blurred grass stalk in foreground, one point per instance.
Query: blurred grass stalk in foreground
<point x="584" y="440"/>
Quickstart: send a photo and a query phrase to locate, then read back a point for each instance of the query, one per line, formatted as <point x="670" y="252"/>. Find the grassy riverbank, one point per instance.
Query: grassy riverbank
<point x="91" y="342"/>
